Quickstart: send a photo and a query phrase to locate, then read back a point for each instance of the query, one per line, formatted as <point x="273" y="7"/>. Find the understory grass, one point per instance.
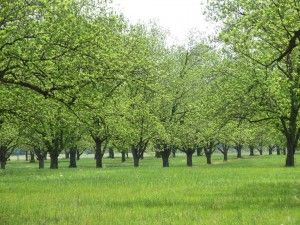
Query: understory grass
<point x="252" y="190"/>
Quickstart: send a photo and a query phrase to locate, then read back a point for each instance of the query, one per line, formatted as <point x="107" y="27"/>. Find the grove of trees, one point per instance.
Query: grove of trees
<point x="76" y="75"/>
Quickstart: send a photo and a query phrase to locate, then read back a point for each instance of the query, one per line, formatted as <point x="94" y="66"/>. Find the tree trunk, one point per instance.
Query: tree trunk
<point x="67" y="155"/>
<point x="199" y="151"/>
<point x="284" y="151"/>
<point x="174" y="152"/>
<point x="260" y="151"/>
<point x="189" y="158"/>
<point x="53" y="161"/>
<point x="290" y="161"/>
<point x="239" y="148"/>
<point x="208" y="154"/>
<point x="278" y="150"/>
<point x="225" y="156"/>
<point x="251" y="148"/>
<point x="41" y="163"/>
<point x="3" y="163"/>
<point x="165" y="154"/>
<point x="32" y="160"/>
<point x="135" y="156"/>
<point x="98" y="153"/>
<point x="270" y="150"/>
<point x="73" y="158"/>
<point x="291" y="148"/>
<point x="165" y="161"/>
<point x="123" y="156"/>
<point x="111" y="153"/>
<point x="26" y="155"/>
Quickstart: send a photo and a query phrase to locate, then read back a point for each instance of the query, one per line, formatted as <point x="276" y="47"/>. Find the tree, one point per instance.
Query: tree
<point x="267" y="32"/>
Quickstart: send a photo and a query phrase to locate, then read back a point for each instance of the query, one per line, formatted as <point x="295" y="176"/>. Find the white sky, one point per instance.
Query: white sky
<point x="179" y="17"/>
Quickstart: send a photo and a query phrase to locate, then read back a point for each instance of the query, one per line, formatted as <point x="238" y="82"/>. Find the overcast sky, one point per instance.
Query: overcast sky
<point x="177" y="16"/>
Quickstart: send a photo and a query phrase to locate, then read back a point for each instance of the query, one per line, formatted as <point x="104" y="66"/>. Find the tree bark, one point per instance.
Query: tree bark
<point x="3" y="163"/>
<point x="284" y="151"/>
<point x="189" y="158"/>
<point x="278" y="150"/>
<point x="208" y="154"/>
<point x="135" y="156"/>
<point x="290" y="161"/>
<point x="32" y="160"/>
<point x="199" y="151"/>
<point x="111" y="153"/>
<point x="123" y="156"/>
<point x="41" y="163"/>
<point x="238" y="148"/>
<point x="251" y="148"/>
<point x="78" y="155"/>
<point x="72" y="158"/>
<point x="67" y="154"/>
<point x="165" y="154"/>
<point x="53" y="161"/>
<point x="173" y="152"/>
<point x="225" y="156"/>
<point x="270" y="150"/>
<point x="98" y="152"/>
<point x="26" y="155"/>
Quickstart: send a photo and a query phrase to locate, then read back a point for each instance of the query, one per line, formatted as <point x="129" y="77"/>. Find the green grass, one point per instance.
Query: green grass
<point x="256" y="190"/>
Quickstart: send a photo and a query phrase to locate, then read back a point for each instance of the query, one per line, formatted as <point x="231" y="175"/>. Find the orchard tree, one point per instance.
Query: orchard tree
<point x="267" y="32"/>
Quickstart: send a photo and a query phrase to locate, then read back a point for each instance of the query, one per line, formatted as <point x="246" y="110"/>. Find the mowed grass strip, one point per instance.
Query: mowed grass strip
<point x="252" y="190"/>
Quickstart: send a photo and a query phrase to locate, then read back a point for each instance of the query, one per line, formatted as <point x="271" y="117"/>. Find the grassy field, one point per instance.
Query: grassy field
<point x="257" y="190"/>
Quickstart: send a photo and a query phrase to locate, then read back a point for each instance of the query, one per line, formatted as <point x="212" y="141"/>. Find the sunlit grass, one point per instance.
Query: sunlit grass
<point x="256" y="190"/>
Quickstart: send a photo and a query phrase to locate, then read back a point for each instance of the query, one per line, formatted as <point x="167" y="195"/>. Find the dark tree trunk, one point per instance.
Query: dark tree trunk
<point x="72" y="153"/>
<point x="165" y="154"/>
<point x="26" y="155"/>
<point x="284" y="151"/>
<point x="136" y="158"/>
<point x="208" y="154"/>
<point x="291" y="148"/>
<point x="278" y="150"/>
<point x="173" y="152"/>
<point x="225" y="156"/>
<point x="40" y="155"/>
<point x="290" y="161"/>
<point x="123" y="156"/>
<point x="239" y="148"/>
<point x="98" y="152"/>
<point x="111" y="153"/>
<point x="78" y="155"/>
<point x="45" y="157"/>
<point x="53" y="161"/>
<point x="67" y="155"/>
<point x="251" y="148"/>
<point x="142" y="155"/>
<point x="189" y="158"/>
<point x="3" y="163"/>
<point x="41" y="163"/>
<point x="32" y="160"/>
<point x="127" y="155"/>
<point x="260" y="151"/>
<point x="165" y="161"/>
<point x="224" y="150"/>
<point x="199" y="151"/>
<point x="270" y="150"/>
